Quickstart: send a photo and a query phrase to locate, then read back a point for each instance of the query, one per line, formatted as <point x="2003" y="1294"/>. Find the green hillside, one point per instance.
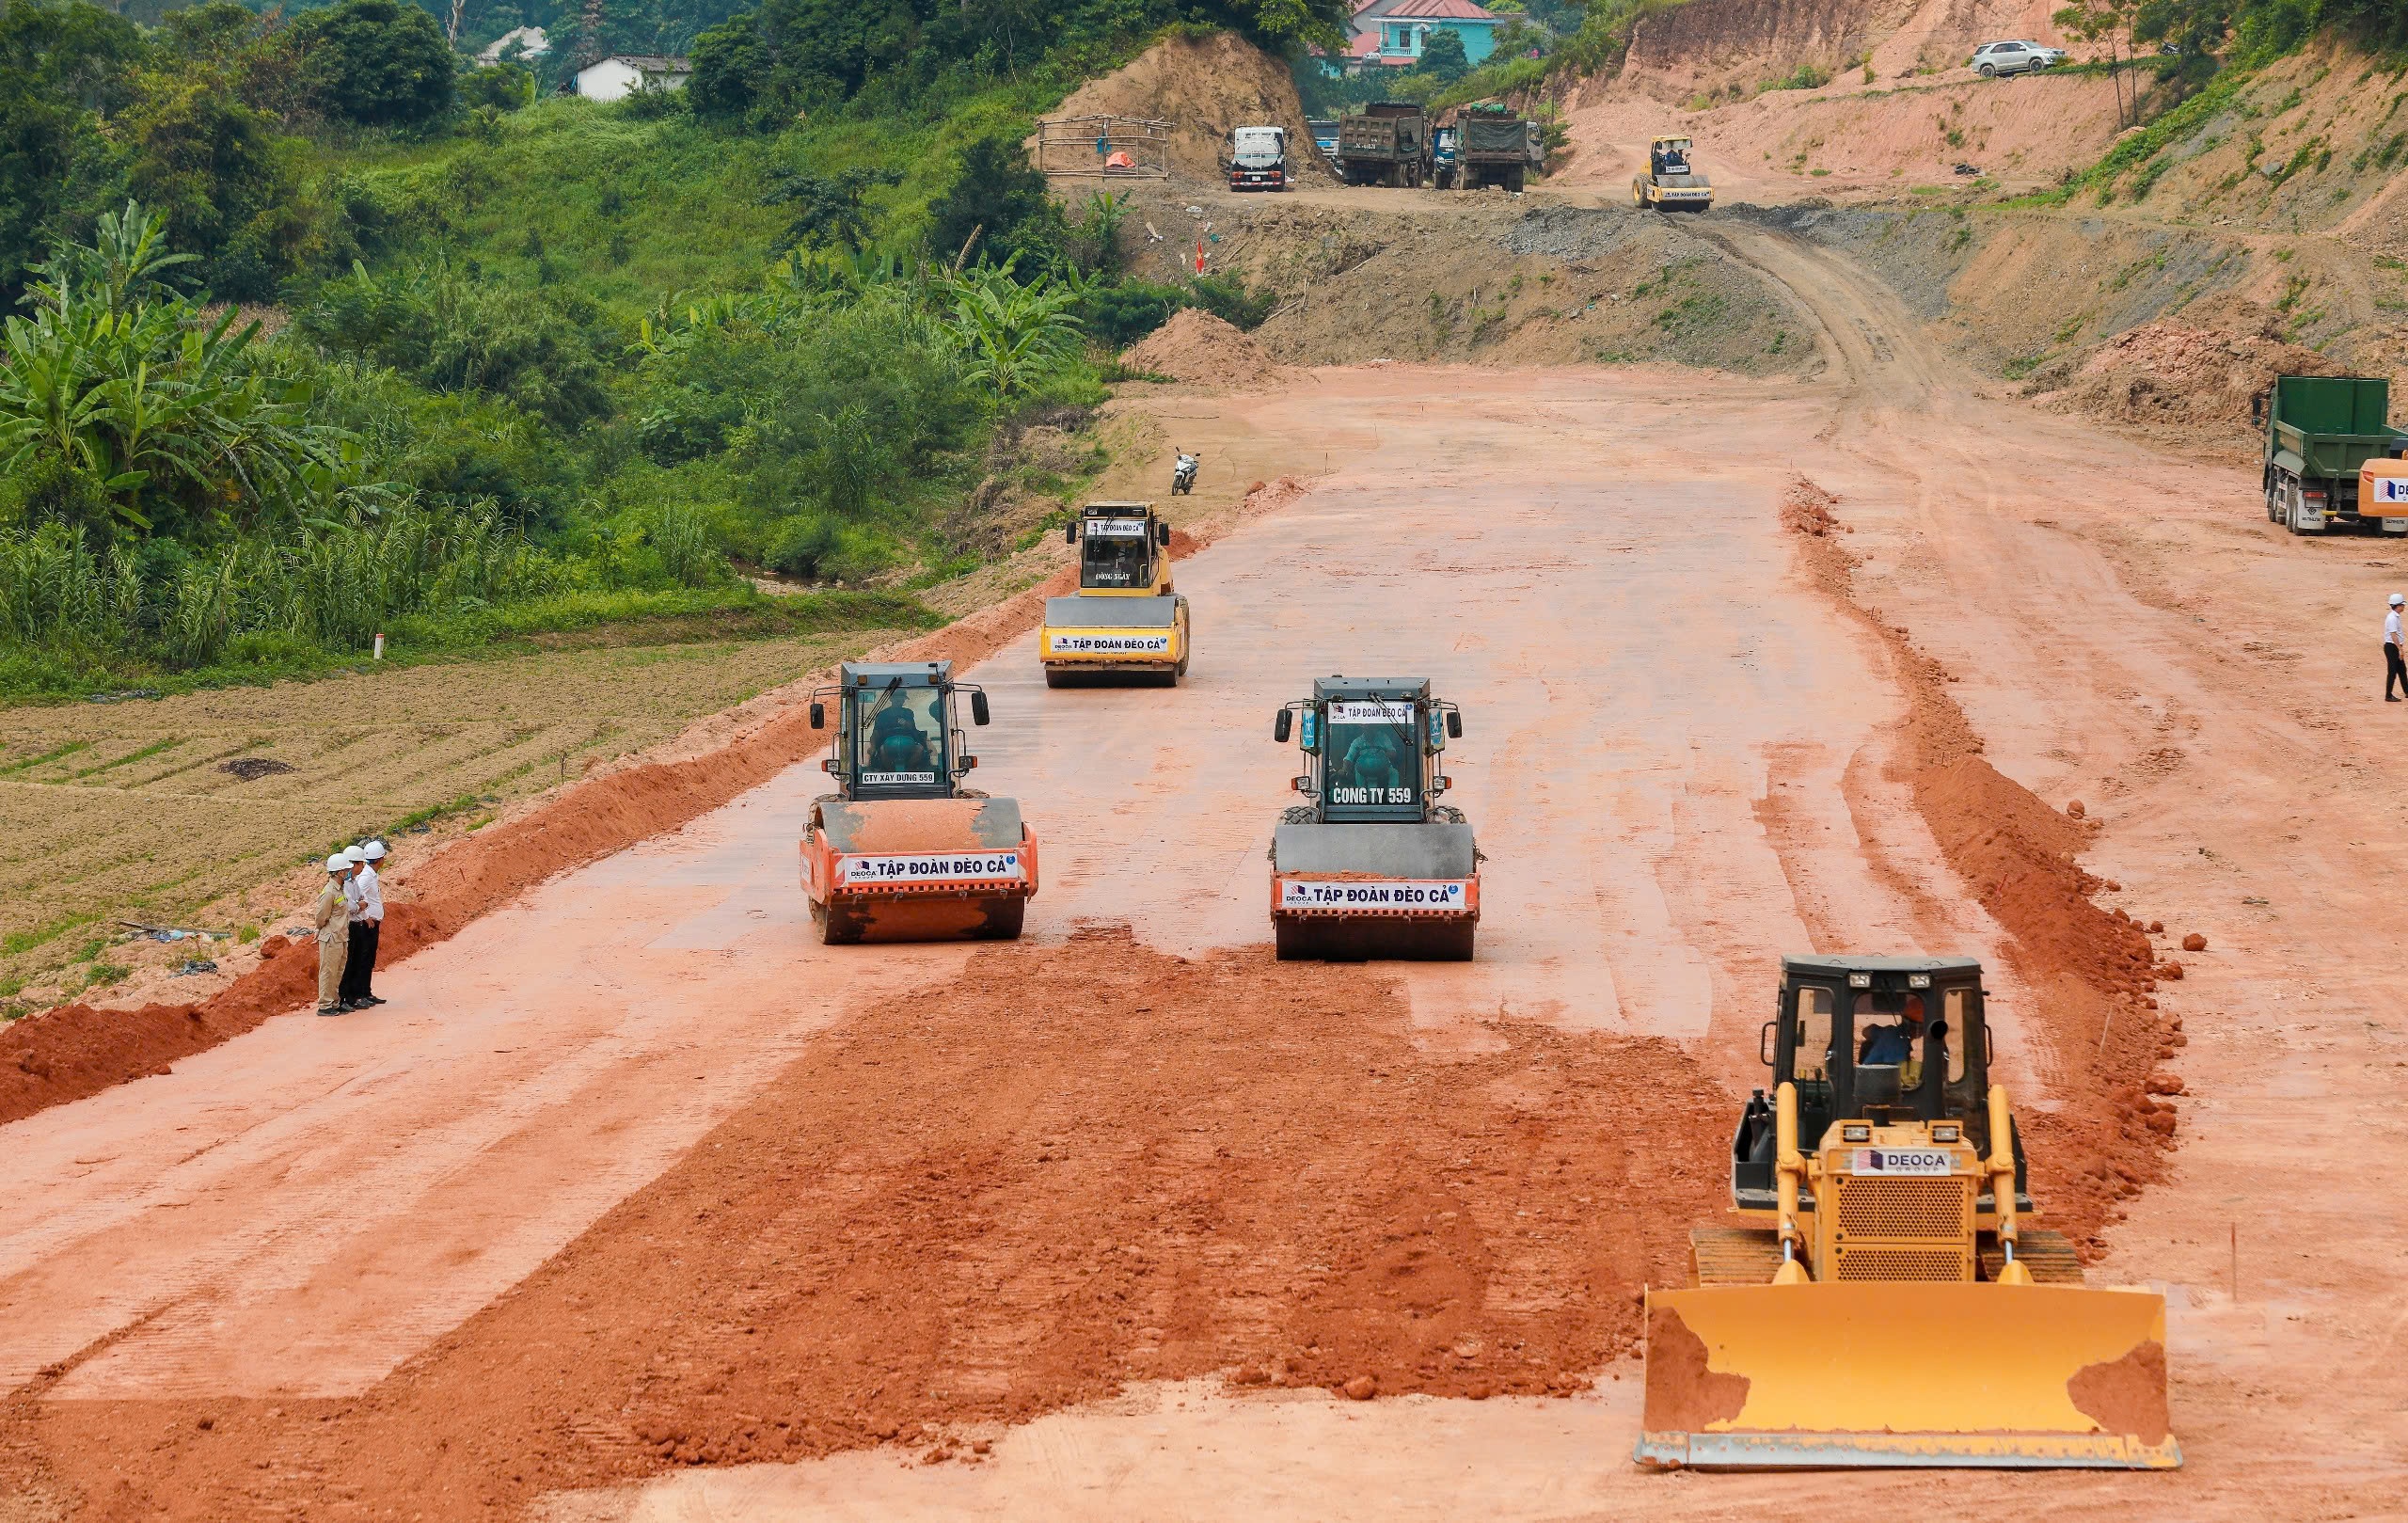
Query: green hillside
<point x="319" y="331"/>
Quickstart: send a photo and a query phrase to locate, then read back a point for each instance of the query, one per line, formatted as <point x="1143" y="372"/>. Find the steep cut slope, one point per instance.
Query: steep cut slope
<point x="1202" y="87"/>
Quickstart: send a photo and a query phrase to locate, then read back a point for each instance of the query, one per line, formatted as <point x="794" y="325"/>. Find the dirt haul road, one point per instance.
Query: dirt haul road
<point x="632" y="1184"/>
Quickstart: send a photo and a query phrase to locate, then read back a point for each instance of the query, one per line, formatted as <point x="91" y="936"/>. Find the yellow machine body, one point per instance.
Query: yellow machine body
<point x="1930" y="1373"/>
<point x="1666" y="190"/>
<point x="1126" y="621"/>
<point x="1878" y="1297"/>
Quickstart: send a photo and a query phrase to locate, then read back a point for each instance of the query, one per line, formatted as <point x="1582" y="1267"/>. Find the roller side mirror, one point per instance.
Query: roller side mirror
<point x="1454" y="724"/>
<point x="819" y="716"/>
<point x="1070" y="532"/>
<point x="977" y="707"/>
<point x="1162" y="532"/>
<point x="1282" y="725"/>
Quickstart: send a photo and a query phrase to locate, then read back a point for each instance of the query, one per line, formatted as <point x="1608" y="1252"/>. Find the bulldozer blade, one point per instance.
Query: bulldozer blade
<point x="919" y="870"/>
<point x="1912" y="1373"/>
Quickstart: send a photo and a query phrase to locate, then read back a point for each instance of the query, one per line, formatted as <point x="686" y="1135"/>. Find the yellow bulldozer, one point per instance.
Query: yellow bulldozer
<point x="1125" y="623"/>
<point x="1882" y="1299"/>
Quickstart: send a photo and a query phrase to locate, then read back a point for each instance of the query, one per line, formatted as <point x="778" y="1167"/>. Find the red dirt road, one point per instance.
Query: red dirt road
<point x="631" y="1182"/>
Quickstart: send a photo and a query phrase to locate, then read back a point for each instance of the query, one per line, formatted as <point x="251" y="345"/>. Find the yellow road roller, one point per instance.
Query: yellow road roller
<point x="1125" y="623"/>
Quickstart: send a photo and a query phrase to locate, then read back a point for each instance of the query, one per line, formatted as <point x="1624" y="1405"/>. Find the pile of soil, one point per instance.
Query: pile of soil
<point x="1202" y="87"/>
<point x="2103" y="1039"/>
<point x="2183" y="373"/>
<point x="1196" y="346"/>
<point x="1069" y="1168"/>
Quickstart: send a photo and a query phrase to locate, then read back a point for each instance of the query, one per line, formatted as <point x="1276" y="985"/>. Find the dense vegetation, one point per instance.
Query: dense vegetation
<point x="318" y="331"/>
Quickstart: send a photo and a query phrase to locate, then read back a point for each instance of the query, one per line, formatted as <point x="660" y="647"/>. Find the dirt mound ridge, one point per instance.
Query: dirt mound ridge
<point x="1196" y="346"/>
<point x="1202" y="87"/>
<point x="2093" y="967"/>
<point x="2182" y="373"/>
<point x="1071" y="1168"/>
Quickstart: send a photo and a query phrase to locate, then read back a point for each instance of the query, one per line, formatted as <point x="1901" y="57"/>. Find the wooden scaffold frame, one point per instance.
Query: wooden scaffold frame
<point x="1073" y="146"/>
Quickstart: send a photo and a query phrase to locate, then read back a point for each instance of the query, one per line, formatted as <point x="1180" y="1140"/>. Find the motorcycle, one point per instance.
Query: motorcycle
<point x="1182" y="475"/>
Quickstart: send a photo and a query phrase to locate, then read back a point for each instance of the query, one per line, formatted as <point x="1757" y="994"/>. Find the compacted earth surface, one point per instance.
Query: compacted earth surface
<point x="635" y="1203"/>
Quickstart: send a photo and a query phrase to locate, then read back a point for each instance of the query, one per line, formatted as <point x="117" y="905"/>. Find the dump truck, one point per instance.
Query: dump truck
<point x="1672" y="181"/>
<point x="901" y="851"/>
<point x="1880" y="1297"/>
<point x="1495" y="145"/>
<point x="1373" y="865"/>
<point x="1386" y="143"/>
<point x="1258" y="158"/>
<point x="2318" y="432"/>
<point x="1126" y="623"/>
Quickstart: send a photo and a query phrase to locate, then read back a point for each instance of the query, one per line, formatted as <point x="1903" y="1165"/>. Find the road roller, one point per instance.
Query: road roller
<point x="1373" y="865"/>
<point x="1125" y="623"/>
<point x="901" y="851"/>
<point x="1879" y="1296"/>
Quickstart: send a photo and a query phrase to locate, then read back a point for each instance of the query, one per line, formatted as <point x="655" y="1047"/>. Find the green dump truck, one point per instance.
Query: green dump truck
<point x="1496" y="146"/>
<point x="2319" y="431"/>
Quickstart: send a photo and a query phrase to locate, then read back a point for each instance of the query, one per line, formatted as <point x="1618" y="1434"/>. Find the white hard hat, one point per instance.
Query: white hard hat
<point x="2397" y="600"/>
<point x="373" y="851"/>
<point x="339" y="863"/>
<point x="355" y="853"/>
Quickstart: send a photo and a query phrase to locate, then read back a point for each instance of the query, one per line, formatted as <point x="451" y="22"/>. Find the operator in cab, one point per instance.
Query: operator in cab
<point x="1898" y="1045"/>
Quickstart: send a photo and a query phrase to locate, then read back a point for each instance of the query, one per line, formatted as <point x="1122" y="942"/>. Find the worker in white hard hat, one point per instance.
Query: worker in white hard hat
<point x="364" y="895"/>
<point x="2394" y="669"/>
<point x="334" y="934"/>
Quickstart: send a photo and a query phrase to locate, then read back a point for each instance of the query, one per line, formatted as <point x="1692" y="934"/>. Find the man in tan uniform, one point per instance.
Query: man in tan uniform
<point x="333" y="924"/>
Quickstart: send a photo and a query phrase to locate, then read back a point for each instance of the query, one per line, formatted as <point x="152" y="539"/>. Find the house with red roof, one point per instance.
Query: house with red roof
<point x="1389" y="33"/>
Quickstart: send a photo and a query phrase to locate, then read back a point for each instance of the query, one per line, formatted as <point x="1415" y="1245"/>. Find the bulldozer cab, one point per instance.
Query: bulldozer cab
<point x="1372" y="748"/>
<point x="1875" y="1040"/>
<point x="897" y="731"/>
<point x="1123" y="547"/>
<point x="1669" y="156"/>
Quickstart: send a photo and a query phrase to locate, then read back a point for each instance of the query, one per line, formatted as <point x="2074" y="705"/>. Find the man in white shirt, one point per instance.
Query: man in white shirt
<point x="2394" y="669"/>
<point x="365" y="898"/>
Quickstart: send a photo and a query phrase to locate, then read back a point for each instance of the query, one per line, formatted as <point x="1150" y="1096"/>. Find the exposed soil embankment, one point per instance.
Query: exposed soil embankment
<point x="964" y="1206"/>
<point x="1427" y="275"/>
<point x="79" y="1049"/>
<point x="1200" y="88"/>
<point x="2092" y="968"/>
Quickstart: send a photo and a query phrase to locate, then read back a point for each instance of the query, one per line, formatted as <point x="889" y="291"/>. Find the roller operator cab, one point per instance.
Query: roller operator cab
<point x="1372" y="866"/>
<point x="1672" y="181"/>
<point x="901" y="851"/>
<point x="1125" y="623"/>
<point x="1879" y="1296"/>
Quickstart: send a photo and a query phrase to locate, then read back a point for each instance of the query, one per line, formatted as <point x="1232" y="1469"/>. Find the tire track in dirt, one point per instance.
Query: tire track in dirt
<point x="968" y="1205"/>
<point x="2092" y="968"/>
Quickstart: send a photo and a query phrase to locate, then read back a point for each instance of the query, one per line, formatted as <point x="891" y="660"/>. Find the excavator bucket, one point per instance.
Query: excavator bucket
<point x="1907" y="1373"/>
<point x="918" y="870"/>
<point x="1350" y="892"/>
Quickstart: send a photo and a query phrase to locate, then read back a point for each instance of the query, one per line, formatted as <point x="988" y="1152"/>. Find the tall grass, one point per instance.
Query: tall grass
<point x="335" y="588"/>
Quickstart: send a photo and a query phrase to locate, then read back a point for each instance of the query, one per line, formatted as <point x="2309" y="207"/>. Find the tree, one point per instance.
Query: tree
<point x="379" y="63"/>
<point x="732" y="64"/>
<point x="2094" y="21"/>
<point x="827" y="210"/>
<point x="1441" y="56"/>
<point x="214" y="170"/>
<point x="1014" y="335"/>
<point x="996" y="197"/>
<point x="67" y="66"/>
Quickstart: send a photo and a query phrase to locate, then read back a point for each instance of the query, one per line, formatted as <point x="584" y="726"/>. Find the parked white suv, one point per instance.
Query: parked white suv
<point x="2014" y="59"/>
